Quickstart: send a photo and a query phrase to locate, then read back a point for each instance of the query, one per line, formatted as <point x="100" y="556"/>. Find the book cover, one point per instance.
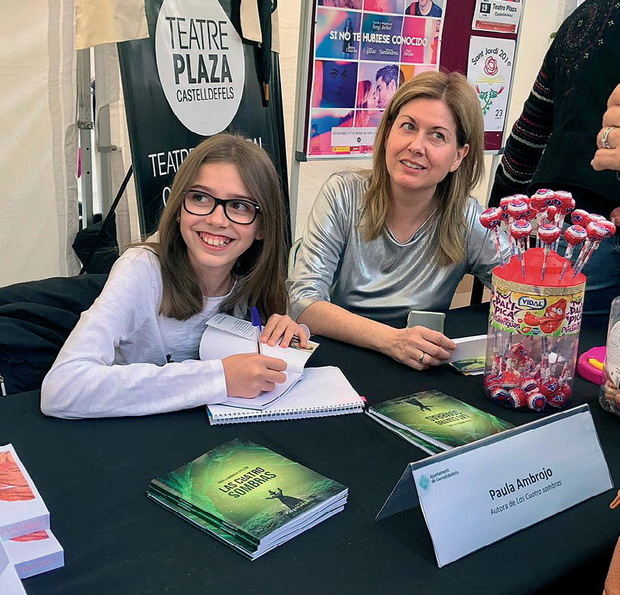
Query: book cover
<point x="439" y="418"/>
<point x="247" y="491"/>
<point x="470" y="355"/>
<point x="35" y="553"/>
<point x="22" y="509"/>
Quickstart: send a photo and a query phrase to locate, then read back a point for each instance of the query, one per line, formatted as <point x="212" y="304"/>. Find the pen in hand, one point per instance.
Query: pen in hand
<point x="257" y="326"/>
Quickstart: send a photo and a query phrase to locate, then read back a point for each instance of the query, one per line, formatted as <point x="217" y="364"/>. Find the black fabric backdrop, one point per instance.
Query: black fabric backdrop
<point x="154" y="128"/>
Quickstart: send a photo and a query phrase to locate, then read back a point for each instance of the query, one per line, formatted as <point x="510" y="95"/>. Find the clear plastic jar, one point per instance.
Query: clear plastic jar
<point x="533" y="334"/>
<point x="609" y="397"/>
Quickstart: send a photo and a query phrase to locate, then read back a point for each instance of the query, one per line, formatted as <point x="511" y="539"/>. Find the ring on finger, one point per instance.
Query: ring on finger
<point x="605" y="137"/>
<point x="421" y="358"/>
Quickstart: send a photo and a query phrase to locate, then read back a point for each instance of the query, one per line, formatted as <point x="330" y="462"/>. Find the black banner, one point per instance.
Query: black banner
<point x="209" y="80"/>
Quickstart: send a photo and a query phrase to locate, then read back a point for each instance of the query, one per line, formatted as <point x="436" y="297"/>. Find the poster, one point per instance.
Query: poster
<point x="363" y="50"/>
<point x="501" y="16"/>
<point x="489" y="70"/>
<point x="192" y="78"/>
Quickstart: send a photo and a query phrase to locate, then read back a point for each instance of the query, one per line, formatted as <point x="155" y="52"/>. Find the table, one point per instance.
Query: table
<point x="93" y="474"/>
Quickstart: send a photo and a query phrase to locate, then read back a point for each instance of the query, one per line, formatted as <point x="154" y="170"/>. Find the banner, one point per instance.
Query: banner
<point x="192" y="78"/>
<point x="362" y="51"/>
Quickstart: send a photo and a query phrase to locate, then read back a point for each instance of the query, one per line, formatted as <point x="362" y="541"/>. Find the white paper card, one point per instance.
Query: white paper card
<point x="511" y="482"/>
<point x="502" y="16"/>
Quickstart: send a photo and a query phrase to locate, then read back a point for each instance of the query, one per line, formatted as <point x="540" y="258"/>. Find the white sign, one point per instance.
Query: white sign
<point x="489" y="70"/>
<point x="502" y="16"/>
<point x="477" y="494"/>
<point x="200" y="64"/>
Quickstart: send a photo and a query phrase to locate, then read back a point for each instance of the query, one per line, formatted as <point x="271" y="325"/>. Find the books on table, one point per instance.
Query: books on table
<point x="34" y="553"/>
<point x="433" y="420"/>
<point x="22" y="509"/>
<point x="469" y="357"/>
<point x="323" y="391"/>
<point x="248" y="496"/>
<point x="226" y="335"/>
<point x="27" y="546"/>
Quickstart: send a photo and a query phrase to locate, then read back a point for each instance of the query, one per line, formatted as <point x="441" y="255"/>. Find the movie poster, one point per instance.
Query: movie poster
<point x="362" y="51"/>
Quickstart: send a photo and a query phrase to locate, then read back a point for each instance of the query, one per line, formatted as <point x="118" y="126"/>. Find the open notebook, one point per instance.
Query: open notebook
<point x="323" y="391"/>
<point x="226" y="335"/>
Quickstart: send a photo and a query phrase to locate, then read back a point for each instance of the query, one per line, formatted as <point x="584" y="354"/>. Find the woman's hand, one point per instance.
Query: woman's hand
<point x="280" y="330"/>
<point x="608" y="138"/>
<point x="249" y="374"/>
<point x="418" y="347"/>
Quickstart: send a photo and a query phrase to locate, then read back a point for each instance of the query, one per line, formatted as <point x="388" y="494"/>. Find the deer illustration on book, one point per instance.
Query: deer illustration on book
<point x="13" y="485"/>
<point x="289" y="501"/>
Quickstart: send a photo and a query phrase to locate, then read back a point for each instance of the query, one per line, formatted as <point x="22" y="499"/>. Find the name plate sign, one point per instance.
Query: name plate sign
<point x="477" y="494"/>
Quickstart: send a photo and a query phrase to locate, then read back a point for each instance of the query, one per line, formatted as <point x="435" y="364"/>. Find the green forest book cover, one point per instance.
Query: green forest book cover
<point x="247" y="488"/>
<point x="439" y="418"/>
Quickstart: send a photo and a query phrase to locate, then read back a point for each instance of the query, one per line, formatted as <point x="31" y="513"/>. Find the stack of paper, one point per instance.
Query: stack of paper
<point x="435" y="422"/>
<point x="25" y="539"/>
<point x="248" y="496"/>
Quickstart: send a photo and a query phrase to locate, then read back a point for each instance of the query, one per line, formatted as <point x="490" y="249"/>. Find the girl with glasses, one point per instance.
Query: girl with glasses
<point x="220" y="248"/>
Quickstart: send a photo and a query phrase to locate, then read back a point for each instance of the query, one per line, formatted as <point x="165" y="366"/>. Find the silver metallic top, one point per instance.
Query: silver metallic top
<point x="382" y="279"/>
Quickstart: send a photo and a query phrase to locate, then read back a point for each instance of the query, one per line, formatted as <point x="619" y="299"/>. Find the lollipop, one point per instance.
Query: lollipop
<point x="597" y="231"/>
<point x="580" y="217"/>
<point x="491" y="219"/>
<point x="574" y="235"/>
<point x="519" y="231"/>
<point x="548" y="234"/>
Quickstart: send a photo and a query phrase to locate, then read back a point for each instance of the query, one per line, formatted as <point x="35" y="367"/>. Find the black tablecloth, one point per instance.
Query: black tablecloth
<point x="93" y="474"/>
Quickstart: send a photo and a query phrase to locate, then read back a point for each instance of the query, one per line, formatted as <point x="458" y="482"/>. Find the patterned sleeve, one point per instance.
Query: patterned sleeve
<point x="528" y="138"/>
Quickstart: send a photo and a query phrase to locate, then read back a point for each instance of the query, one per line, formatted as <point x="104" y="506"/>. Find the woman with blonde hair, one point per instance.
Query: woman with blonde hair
<point x="221" y="248"/>
<point x="398" y="238"/>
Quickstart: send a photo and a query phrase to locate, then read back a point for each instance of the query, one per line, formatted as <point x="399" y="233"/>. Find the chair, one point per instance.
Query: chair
<point x="35" y="320"/>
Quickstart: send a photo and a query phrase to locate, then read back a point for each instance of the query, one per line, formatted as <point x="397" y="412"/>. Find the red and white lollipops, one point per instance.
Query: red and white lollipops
<point x="597" y="231"/>
<point x="491" y="219"/>
<point x="580" y="217"/>
<point x="548" y="234"/>
<point x="520" y="230"/>
<point x="574" y="235"/>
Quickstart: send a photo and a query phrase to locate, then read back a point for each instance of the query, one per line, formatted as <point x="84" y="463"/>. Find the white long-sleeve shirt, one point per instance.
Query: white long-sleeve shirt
<point x="115" y="361"/>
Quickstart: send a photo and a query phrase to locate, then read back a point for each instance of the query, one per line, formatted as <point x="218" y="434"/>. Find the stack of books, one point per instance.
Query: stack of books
<point x="27" y="546"/>
<point x="436" y="422"/>
<point x="248" y="496"/>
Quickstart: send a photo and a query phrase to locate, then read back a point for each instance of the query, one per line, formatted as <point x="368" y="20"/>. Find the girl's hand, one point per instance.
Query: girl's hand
<point x="280" y="329"/>
<point x="418" y="347"/>
<point x="249" y="374"/>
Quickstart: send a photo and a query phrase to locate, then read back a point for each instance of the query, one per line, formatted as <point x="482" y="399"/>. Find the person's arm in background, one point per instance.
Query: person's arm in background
<point x="324" y="242"/>
<point x="528" y="138"/>
<point x="608" y="142"/>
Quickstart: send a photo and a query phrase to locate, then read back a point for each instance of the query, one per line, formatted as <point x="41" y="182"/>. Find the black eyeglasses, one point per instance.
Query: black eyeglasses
<point x="198" y="202"/>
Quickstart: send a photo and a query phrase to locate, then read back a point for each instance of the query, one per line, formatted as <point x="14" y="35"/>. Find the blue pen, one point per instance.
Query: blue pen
<point x="257" y="326"/>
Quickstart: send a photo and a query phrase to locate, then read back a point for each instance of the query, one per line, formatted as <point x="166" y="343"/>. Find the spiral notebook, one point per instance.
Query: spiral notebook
<point x="321" y="392"/>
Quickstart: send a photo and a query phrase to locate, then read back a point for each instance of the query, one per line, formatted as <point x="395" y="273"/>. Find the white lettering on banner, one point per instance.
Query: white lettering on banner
<point x="200" y="63"/>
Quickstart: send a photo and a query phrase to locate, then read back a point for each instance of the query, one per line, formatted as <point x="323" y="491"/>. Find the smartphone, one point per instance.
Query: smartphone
<point x="432" y="320"/>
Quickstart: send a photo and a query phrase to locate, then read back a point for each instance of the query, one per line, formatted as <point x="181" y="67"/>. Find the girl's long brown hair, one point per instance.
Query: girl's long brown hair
<point x="260" y="270"/>
<point x="452" y="193"/>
